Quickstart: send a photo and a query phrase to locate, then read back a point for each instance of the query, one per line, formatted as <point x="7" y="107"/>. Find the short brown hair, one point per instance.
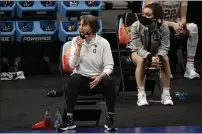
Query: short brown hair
<point x="90" y="20"/>
<point x="157" y="10"/>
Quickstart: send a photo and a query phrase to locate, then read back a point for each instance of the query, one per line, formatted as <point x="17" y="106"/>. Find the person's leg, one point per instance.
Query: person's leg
<point x="191" y="51"/>
<point x="107" y="87"/>
<point x="72" y="91"/>
<point x="140" y="78"/>
<point x="165" y="79"/>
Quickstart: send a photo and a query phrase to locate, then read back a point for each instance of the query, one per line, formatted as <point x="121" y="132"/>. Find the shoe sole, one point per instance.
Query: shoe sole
<point x="167" y="104"/>
<point x="110" y="129"/>
<point x="146" y="104"/>
<point x="187" y="76"/>
<point x="143" y="105"/>
<point x="68" y="128"/>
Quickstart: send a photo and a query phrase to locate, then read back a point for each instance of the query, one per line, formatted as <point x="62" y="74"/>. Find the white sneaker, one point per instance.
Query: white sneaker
<point x="171" y="76"/>
<point x="191" y="73"/>
<point x="6" y="76"/>
<point x="20" y="76"/>
<point x="166" y="99"/>
<point x="142" y="99"/>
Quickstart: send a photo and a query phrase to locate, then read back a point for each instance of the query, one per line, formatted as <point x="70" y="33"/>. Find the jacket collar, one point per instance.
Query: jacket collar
<point x="93" y="41"/>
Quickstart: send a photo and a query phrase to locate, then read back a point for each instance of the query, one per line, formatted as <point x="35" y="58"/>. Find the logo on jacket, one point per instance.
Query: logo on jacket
<point x="157" y="37"/>
<point x="94" y="50"/>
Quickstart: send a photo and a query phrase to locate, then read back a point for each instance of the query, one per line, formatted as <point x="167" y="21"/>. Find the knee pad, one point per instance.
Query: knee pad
<point x="192" y="28"/>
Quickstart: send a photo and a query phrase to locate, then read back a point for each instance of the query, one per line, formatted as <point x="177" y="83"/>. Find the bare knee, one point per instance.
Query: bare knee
<point x="192" y="28"/>
<point x="165" y="63"/>
<point x="139" y="61"/>
<point x="166" y="59"/>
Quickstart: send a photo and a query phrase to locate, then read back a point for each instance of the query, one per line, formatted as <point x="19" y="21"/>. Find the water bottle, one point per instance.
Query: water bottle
<point x="58" y="119"/>
<point x="47" y="119"/>
<point x="181" y="95"/>
<point x="47" y="114"/>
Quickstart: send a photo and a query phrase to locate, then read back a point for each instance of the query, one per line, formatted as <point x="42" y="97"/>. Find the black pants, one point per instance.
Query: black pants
<point x="79" y="84"/>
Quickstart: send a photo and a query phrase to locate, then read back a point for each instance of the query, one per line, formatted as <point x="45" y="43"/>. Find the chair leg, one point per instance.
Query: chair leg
<point x="180" y="59"/>
<point x="98" y="119"/>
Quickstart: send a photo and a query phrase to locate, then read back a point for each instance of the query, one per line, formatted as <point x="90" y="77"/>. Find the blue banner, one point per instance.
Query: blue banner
<point x="36" y="9"/>
<point x="7" y="31"/>
<point x="36" y="31"/>
<point x="78" y="8"/>
<point x="7" y="9"/>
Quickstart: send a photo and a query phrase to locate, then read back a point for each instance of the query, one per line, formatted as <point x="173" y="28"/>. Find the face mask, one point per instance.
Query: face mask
<point x="144" y="20"/>
<point x="84" y="35"/>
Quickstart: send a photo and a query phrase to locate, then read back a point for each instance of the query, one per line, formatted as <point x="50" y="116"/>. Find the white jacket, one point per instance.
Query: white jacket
<point x="95" y="57"/>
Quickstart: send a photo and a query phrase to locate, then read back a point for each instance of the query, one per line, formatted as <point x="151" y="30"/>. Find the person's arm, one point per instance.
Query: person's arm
<point x="170" y="23"/>
<point x="183" y="13"/>
<point x="74" y="58"/>
<point x="165" y="42"/>
<point x="135" y="43"/>
<point x="108" y="61"/>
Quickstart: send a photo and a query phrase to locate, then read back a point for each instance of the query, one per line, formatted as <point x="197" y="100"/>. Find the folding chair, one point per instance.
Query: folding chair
<point x="127" y="68"/>
<point x="88" y="103"/>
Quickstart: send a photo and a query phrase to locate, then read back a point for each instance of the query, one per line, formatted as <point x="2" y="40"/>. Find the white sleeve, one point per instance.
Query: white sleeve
<point x="184" y="3"/>
<point x="107" y="58"/>
<point x="74" y="60"/>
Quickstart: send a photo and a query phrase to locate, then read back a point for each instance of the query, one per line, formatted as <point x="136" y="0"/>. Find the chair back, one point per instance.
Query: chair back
<point x="66" y="50"/>
<point x="124" y="27"/>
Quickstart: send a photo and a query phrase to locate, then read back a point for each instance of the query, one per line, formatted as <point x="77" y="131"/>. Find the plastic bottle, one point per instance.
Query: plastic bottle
<point x="48" y="119"/>
<point x="58" y="119"/>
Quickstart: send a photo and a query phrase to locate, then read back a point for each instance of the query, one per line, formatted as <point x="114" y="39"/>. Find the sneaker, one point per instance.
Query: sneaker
<point x="68" y="124"/>
<point x="109" y="126"/>
<point x="6" y="76"/>
<point x="166" y="99"/>
<point x="19" y="75"/>
<point x="142" y="99"/>
<point x="191" y="73"/>
<point x="171" y="76"/>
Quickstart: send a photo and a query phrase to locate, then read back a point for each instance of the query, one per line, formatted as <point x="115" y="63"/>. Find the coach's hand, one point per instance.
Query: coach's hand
<point x="79" y="42"/>
<point x="96" y="80"/>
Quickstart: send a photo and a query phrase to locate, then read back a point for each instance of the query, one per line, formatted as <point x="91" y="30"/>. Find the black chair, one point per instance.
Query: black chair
<point x="87" y="103"/>
<point x="127" y="68"/>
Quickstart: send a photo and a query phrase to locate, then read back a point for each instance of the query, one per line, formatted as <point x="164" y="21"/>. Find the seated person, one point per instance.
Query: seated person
<point x="92" y="61"/>
<point x="150" y="43"/>
<point x="172" y="10"/>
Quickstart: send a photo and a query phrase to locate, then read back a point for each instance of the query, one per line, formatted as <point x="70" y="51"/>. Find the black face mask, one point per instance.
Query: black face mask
<point x="144" y="20"/>
<point x="84" y="35"/>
